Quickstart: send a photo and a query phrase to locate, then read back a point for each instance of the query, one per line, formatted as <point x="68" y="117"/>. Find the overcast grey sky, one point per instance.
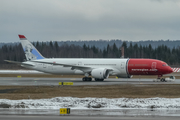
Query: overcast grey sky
<point x="57" y="20"/>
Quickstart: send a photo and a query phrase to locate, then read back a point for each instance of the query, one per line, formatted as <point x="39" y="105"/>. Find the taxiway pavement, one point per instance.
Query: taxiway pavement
<point x="39" y="117"/>
<point x="29" y="81"/>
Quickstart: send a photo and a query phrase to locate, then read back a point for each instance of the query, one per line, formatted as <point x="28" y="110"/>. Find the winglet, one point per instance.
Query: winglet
<point x="22" y="37"/>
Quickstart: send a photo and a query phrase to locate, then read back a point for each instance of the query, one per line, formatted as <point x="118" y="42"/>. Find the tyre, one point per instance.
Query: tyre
<point x="86" y="79"/>
<point x="162" y="80"/>
<point x="89" y="79"/>
<point x="96" y="79"/>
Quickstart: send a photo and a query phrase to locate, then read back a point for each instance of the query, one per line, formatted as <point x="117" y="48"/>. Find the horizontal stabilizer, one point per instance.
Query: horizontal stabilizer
<point x="15" y="62"/>
<point x="18" y="63"/>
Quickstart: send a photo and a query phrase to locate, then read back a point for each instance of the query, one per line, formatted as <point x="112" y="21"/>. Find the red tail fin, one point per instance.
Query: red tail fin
<point x="22" y="37"/>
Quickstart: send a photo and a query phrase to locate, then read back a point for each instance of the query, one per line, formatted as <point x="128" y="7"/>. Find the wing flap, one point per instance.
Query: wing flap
<point x="62" y="64"/>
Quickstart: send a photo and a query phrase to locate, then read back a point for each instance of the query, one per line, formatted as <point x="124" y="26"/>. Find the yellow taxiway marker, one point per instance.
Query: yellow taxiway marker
<point x="65" y="83"/>
<point x="64" y="110"/>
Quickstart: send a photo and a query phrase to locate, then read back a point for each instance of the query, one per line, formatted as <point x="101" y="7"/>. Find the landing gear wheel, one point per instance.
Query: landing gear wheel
<point x="163" y="80"/>
<point x="89" y="79"/>
<point x="86" y="79"/>
<point x="96" y="79"/>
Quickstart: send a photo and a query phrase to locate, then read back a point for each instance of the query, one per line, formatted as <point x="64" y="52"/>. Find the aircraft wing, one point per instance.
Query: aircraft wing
<point x="73" y="66"/>
<point x="78" y="67"/>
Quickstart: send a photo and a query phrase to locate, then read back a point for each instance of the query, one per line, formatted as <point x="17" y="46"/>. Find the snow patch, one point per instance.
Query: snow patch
<point x="91" y="103"/>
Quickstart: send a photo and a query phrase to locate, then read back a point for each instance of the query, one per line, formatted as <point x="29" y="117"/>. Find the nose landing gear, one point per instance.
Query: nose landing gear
<point x="170" y="79"/>
<point x="163" y="80"/>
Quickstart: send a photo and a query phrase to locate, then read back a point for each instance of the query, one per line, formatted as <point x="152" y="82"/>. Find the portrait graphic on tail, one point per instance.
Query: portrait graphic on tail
<point x="28" y="52"/>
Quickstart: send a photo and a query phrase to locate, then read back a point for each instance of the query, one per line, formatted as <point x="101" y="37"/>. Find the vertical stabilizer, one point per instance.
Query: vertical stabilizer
<point x="30" y="51"/>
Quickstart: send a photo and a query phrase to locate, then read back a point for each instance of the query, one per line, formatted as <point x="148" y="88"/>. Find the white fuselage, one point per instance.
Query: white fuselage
<point x="119" y="66"/>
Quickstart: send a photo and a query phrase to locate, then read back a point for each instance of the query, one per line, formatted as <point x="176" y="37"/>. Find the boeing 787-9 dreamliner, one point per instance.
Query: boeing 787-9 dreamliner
<point x="97" y="68"/>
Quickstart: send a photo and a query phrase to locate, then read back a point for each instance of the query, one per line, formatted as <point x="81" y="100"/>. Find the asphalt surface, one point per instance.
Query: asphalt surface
<point x="121" y="114"/>
<point x="98" y="115"/>
<point x="76" y="81"/>
<point x="95" y="112"/>
<point x="32" y="117"/>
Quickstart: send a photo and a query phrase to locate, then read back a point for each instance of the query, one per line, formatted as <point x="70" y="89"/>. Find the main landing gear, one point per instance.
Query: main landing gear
<point x="90" y="79"/>
<point x="86" y="79"/>
<point x="96" y="79"/>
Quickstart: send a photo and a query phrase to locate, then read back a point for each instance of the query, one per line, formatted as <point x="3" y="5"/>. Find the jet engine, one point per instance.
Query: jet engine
<point x="100" y="73"/>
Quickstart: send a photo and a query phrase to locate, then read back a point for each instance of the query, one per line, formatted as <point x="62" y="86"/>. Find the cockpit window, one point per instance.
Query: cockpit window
<point x="165" y="65"/>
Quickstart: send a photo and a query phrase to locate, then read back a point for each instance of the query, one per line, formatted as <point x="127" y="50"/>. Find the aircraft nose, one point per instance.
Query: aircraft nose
<point x="169" y="70"/>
